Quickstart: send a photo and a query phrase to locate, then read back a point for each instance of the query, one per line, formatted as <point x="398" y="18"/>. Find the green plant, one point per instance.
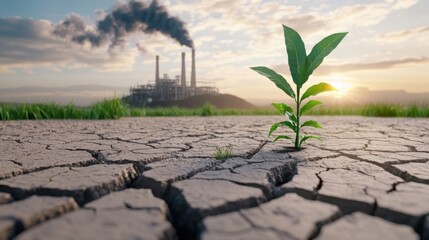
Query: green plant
<point x="301" y="67"/>
<point x="207" y="109"/>
<point x="223" y="153"/>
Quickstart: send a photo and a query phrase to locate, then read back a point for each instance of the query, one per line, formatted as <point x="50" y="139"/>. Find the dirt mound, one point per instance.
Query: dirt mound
<point x="218" y="100"/>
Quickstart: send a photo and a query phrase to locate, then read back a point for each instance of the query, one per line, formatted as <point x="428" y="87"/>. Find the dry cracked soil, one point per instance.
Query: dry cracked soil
<point x="157" y="178"/>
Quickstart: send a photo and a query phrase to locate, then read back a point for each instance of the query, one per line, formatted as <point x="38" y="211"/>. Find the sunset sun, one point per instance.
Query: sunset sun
<point x="340" y="83"/>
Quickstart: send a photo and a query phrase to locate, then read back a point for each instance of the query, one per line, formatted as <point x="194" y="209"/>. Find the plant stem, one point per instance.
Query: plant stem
<point x="298" y="101"/>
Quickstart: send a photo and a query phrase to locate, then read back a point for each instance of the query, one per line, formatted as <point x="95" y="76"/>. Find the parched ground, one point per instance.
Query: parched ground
<point x="157" y="178"/>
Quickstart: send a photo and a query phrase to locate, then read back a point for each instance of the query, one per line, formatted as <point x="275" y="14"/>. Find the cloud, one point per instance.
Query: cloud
<point x="324" y="70"/>
<point x="257" y="16"/>
<point x="228" y="35"/>
<point x="420" y="33"/>
<point x="404" y="4"/>
<point x="25" y="43"/>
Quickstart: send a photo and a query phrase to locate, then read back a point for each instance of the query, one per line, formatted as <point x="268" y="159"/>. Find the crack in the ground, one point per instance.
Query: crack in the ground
<point x="139" y="164"/>
<point x="15" y="162"/>
<point x="390" y="168"/>
<point x="188" y="221"/>
<point x="344" y="204"/>
<point x="25" y="171"/>
<point x="285" y="234"/>
<point x="267" y="191"/>
<point x="402" y="162"/>
<point x="413" y="140"/>
<point x="315" y="159"/>
<point x="407" y="176"/>
<point x="320" y="184"/>
<point x="81" y="196"/>
<point x="366" y="145"/>
<point x="375" y="204"/>
<point x="321" y="224"/>
<point x="394" y="185"/>
<point x="422" y="227"/>
<point x="411" y="148"/>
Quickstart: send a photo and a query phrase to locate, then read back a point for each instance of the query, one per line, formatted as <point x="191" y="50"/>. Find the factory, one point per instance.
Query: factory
<point x="168" y="89"/>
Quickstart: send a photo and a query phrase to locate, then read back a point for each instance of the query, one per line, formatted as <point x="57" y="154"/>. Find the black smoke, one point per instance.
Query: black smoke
<point x="75" y="29"/>
<point x="125" y="19"/>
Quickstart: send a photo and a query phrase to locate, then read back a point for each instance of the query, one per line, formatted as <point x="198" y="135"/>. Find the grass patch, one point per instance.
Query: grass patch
<point x="375" y="110"/>
<point x="107" y="109"/>
<point x="223" y="153"/>
<point x="111" y="109"/>
<point x="115" y="109"/>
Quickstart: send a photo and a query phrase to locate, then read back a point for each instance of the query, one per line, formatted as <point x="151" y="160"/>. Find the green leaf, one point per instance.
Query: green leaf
<point x="283" y="108"/>
<point x="289" y="124"/>
<point x="285" y="123"/>
<point x="309" y="105"/>
<point x="292" y="117"/>
<point x="320" y="51"/>
<point x="297" y="57"/>
<point x="282" y="137"/>
<point x="311" y="123"/>
<point x="305" y="138"/>
<point x="273" y="128"/>
<point x="278" y="79"/>
<point x="316" y="89"/>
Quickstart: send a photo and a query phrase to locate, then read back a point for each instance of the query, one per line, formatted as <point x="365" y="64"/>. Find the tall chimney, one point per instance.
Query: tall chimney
<point x="193" y="76"/>
<point x="183" y="77"/>
<point x="157" y="71"/>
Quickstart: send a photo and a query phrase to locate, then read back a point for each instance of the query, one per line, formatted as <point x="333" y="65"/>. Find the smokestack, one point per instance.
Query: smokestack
<point x="157" y="71"/>
<point x="193" y="77"/>
<point x="183" y="77"/>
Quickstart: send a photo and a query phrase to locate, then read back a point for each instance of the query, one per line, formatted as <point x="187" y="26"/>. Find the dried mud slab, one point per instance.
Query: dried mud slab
<point x="18" y="216"/>
<point x="128" y="214"/>
<point x="359" y="226"/>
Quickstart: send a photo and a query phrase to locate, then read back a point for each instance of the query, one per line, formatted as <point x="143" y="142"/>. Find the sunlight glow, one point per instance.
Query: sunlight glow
<point x="340" y="84"/>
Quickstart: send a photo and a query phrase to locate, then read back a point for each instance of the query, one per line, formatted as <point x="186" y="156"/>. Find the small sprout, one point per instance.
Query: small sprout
<point x="223" y="153"/>
<point x="301" y="67"/>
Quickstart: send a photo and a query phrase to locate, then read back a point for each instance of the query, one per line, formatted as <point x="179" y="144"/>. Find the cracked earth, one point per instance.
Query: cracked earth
<point x="157" y="178"/>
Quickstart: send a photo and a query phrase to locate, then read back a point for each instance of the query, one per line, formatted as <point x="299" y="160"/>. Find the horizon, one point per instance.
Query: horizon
<point x="385" y="48"/>
<point x="86" y="95"/>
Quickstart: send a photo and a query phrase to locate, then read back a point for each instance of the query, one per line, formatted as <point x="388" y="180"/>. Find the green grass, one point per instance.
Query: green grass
<point x="206" y="110"/>
<point x="115" y="109"/>
<point x="107" y="109"/>
<point x="111" y="109"/>
<point x="375" y="110"/>
<point x="223" y="153"/>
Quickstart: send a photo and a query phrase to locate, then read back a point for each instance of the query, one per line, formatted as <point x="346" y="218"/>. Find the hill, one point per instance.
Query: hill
<point x="221" y="101"/>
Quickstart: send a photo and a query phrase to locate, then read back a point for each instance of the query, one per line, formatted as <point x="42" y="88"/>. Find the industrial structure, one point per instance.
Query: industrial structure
<point x="167" y="89"/>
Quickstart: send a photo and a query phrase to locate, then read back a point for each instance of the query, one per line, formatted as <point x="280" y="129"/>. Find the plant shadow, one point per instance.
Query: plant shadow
<point x="288" y="150"/>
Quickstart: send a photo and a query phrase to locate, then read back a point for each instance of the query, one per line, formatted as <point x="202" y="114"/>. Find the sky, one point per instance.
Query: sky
<point x="386" y="48"/>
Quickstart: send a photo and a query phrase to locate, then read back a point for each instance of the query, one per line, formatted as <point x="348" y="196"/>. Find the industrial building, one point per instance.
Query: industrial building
<point x="168" y="89"/>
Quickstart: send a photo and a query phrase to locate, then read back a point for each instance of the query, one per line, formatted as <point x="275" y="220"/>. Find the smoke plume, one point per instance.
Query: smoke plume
<point x="128" y="18"/>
